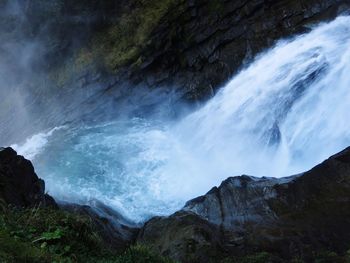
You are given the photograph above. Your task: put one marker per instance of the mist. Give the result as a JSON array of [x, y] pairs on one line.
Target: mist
[[38, 40]]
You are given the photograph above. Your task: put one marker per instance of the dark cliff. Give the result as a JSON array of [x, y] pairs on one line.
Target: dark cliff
[[19, 184], [198, 45], [34, 228], [301, 217], [62, 55], [192, 45], [293, 218]]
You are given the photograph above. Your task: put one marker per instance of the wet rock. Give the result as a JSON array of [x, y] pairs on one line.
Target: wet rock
[[213, 35], [194, 47], [187, 48], [20, 187], [19, 184], [183, 236], [116, 231], [290, 217]]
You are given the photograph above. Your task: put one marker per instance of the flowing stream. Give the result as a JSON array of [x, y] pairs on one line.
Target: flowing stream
[[287, 111]]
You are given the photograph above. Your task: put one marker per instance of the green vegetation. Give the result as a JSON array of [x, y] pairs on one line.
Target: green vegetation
[[331, 257], [262, 257], [48, 235], [216, 6], [141, 254], [123, 42]]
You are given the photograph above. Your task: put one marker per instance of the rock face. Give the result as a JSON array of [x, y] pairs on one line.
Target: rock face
[[292, 217], [19, 185], [194, 45], [199, 45], [66, 54], [117, 231]]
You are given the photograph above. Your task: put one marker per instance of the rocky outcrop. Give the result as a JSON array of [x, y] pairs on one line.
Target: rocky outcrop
[[20, 187], [193, 45], [117, 231], [19, 184], [199, 45], [293, 217]]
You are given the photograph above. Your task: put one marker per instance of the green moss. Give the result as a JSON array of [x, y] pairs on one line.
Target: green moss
[[123, 42], [84, 58], [78, 63], [216, 6]]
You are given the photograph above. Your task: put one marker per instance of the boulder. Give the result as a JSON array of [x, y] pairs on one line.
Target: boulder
[[20, 187], [117, 231], [19, 184], [292, 217]]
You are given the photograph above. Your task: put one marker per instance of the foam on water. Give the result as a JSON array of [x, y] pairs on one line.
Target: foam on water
[[283, 114], [35, 144]]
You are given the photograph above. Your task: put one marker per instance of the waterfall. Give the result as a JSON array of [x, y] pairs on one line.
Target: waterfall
[[285, 112]]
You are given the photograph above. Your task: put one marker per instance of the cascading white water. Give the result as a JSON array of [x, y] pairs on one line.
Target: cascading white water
[[283, 114]]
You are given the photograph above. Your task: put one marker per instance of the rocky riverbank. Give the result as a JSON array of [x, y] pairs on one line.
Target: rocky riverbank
[[303, 217]]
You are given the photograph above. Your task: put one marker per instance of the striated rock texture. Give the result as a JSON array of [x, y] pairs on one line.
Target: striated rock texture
[[68, 55], [294, 217], [19, 184], [193, 45], [199, 44]]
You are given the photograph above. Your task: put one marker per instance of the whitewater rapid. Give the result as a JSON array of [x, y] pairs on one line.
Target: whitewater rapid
[[287, 111]]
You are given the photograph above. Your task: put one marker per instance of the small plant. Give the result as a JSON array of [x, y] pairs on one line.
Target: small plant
[[52, 232], [50, 235]]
